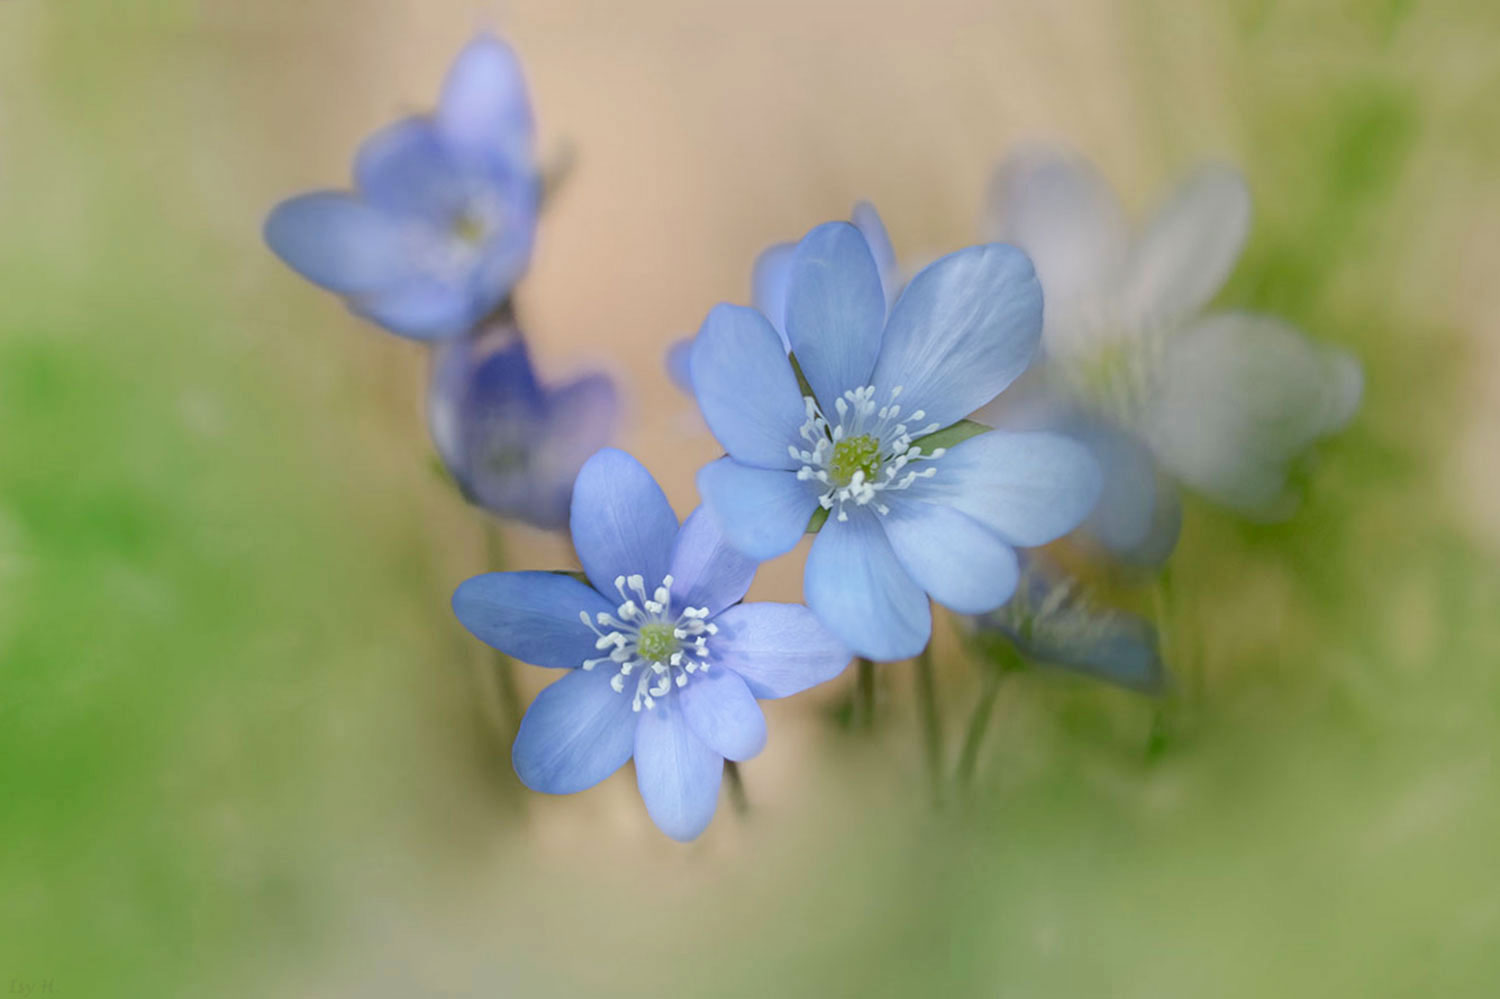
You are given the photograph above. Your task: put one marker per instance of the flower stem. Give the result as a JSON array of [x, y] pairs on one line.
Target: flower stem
[[931, 720], [736, 782], [504, 670], [979, 724], [864, 693]]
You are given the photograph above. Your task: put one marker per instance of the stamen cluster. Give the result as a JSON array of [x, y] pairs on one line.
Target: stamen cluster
[[864, 452], [650, 642]]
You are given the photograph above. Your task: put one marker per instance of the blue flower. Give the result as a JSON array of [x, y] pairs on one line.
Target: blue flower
[[1220, 402], [441, 224], [769, 281], [514, 445], [663, 662], [1052, 621], [905, 520]]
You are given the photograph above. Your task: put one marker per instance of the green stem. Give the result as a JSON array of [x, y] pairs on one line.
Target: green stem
[[931, 720], [979, 724], [504, 670], [864, 693], [736, 782]]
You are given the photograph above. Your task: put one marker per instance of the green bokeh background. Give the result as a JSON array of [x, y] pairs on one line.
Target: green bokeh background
[[240, 748]]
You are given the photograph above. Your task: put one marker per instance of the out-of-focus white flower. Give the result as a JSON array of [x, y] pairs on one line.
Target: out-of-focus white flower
[[1221, 402]]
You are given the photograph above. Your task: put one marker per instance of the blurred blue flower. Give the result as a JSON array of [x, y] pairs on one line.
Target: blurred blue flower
[[1052, 621], [1221, 402], [441, 224], [513, 445], [905, 520], [663, 661], [769, 280]]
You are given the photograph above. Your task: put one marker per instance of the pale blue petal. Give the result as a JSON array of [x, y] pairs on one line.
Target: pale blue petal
[[723, 714], [1029, 488], [1242, 396], [1054, 206], [768, 285], [746, 388], [679, 356], [777, 649], [964, 328], [622, 523], [404, 168], [1189, 247], [532, 616], [484, 107], [707, 571], [577, 732], [835, 310], [678, 775], [763, 512], [867, 220], [422, 309], [581, 417], [339, 242], [960, 563], [862, 593]]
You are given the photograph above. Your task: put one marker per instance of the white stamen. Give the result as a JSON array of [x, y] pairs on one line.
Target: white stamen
[[620, 633]]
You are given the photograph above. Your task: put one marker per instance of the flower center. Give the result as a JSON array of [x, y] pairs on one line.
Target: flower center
[[1115, 378], [855, 454], [863, 452], [650, 641]]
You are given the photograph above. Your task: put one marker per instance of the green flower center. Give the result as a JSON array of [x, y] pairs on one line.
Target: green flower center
[[855, 454], [469, 228], [657, 642]]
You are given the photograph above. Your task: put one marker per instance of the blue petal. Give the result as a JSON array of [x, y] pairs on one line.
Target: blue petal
[[862, 593], [777, 649], [622, 523], [763, 512], [484, 107], [678, 775], [576, 733], [867, 220], [422, 309], [835, 310], [960, 563], [723, 714], [339, 242], [1029, 488], [746, 388], [404, 168], [532, 616], [580, 418], [1189, 247], [962, 331], [707, 571], [1242, 395], [679, 354], [768, 285], [1137, 516]]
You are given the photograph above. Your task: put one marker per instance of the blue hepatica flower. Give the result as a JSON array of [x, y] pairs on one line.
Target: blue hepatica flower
[[441, 224], [1221, 402], [1052, 621], [663, 662], [905, 520], [770, 279], [514, 445]]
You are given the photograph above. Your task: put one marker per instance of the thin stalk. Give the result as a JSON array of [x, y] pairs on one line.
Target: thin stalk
[[503, 670], [864, 693], [979, 724], [736, 782], [931, 720]]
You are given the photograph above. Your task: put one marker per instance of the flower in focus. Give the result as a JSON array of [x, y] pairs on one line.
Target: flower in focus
[[1221, 402], [1051, 620], [663, 663], [441, 223], [513, 445], [905, 518], [768, 285]]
